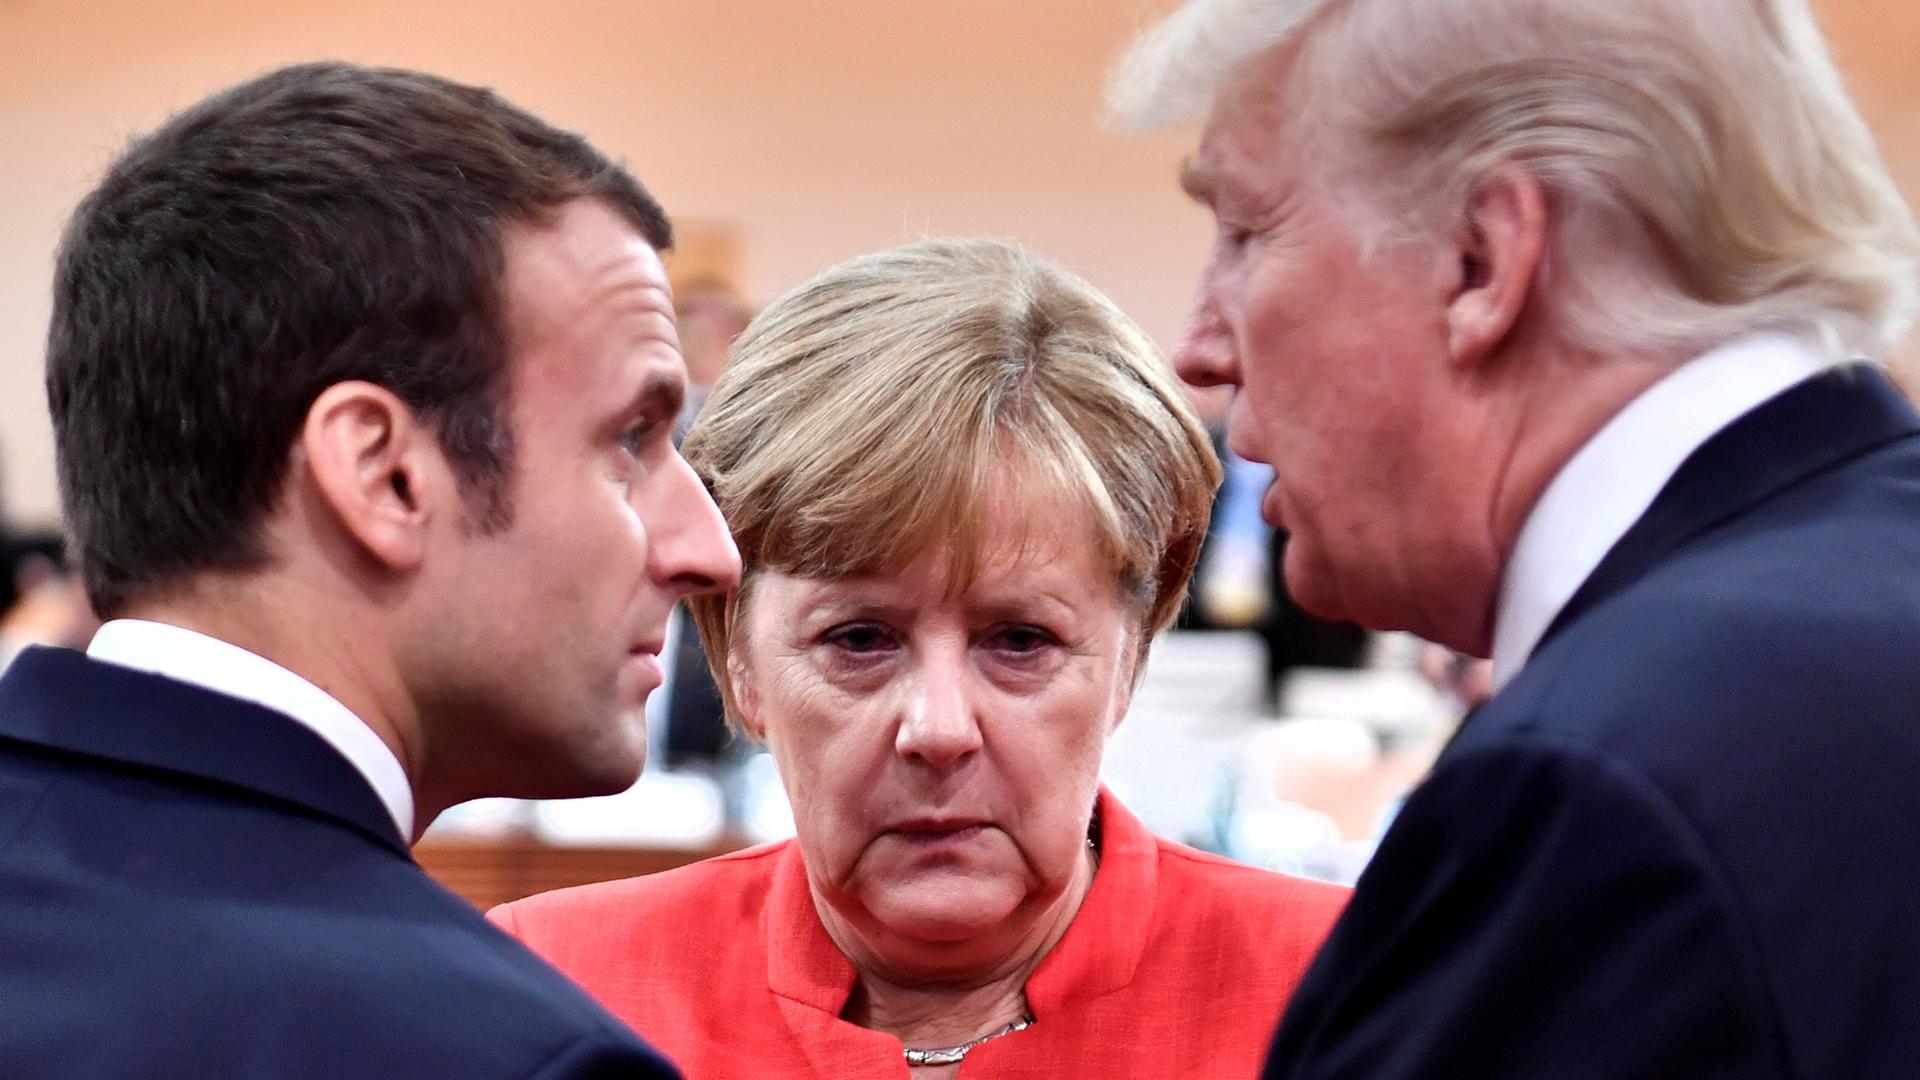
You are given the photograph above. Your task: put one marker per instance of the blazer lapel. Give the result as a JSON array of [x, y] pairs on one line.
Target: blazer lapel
[[60, 699], [1815, 426]]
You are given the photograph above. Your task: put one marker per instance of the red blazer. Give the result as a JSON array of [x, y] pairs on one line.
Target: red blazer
[[1176, 965]]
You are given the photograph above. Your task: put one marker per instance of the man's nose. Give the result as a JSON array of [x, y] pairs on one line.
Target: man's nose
[[692, 549], [1204, 356], [939, 725]]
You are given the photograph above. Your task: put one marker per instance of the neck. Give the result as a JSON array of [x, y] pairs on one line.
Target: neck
[[927, 1018], [929, 1009], [1567, 399], [252, 614]]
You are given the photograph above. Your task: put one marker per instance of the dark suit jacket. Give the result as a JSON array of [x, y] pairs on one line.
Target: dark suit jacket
[[1680, 845], [193, 886]]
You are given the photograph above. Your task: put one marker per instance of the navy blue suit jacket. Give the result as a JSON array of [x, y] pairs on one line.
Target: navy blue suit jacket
[[1680, 845], [193, 886]]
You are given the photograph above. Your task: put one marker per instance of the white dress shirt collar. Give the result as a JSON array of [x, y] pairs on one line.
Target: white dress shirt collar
[[191, 657], [1611, 481]]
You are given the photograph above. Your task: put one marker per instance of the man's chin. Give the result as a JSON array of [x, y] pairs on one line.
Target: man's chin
[[602, 769], [616, 773], [1312, 586]]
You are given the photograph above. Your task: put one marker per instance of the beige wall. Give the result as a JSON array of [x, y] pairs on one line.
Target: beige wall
[[824, 127]]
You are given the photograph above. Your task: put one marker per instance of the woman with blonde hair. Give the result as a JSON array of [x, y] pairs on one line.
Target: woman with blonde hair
[[967, 494]]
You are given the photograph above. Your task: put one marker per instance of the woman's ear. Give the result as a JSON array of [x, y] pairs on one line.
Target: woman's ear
[[1133, 658], [1499, 245], [746, 698]]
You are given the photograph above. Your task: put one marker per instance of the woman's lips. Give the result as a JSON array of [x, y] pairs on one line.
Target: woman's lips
[[938, 833]]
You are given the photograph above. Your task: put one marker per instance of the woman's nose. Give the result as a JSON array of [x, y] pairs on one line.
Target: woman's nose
[[939, 725]]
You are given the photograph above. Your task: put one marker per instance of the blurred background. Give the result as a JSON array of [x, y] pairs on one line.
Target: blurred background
[[785, 135]]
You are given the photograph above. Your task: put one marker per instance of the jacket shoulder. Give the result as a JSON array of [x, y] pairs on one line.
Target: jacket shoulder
[[471, 996], [1760, 632], [489, 1007], [324, 955]]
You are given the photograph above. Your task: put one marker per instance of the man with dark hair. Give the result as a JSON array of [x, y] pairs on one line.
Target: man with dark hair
[[362, 385]]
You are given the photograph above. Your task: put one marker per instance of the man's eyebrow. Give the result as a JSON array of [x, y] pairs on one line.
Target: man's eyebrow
[[660, 393], [1198, 181]]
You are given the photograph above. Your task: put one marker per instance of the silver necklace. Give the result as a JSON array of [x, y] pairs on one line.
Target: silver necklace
[[953, 1055]]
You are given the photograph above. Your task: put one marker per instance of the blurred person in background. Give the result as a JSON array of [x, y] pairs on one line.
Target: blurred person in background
[[42, 602], [968, 494], [710, 314], [1465, 682], [1230, 581], [1552, 318], [363, 385]]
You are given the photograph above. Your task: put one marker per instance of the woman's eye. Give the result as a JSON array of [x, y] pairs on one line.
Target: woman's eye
[[858, 638], [1022, 639]]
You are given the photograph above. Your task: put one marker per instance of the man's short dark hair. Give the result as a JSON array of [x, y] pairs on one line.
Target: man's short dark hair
[[321, 223]]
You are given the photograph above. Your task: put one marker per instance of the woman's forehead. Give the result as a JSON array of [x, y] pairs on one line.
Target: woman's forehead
[[1005, 553], [959, 517]]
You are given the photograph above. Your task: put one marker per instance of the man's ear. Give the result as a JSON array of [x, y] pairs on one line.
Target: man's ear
[[375, 467], [1499, 243]]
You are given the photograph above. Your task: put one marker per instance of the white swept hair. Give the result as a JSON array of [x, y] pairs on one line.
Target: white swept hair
[[1707, 172]]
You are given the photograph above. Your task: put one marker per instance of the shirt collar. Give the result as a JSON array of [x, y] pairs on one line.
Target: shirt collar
[[192, 657], [1609, 483]]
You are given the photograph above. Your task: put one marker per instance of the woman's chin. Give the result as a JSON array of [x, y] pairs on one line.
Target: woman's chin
[[945, 912]]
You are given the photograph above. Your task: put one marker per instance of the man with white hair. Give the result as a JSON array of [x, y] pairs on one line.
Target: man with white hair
[[1550, 316]]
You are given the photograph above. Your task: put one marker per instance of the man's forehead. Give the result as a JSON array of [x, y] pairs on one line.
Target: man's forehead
[[602, 379], [589, 317], [1227, 168], [580, 241], [1247, 138], [584, 262]]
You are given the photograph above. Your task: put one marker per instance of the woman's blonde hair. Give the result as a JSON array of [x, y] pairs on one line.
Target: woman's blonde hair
[[870, 416], [1708, 173]]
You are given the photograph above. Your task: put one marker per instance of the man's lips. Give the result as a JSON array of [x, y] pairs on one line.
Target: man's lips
[[1270, 508], [1240, 436], [645, 658], [650, 646]]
